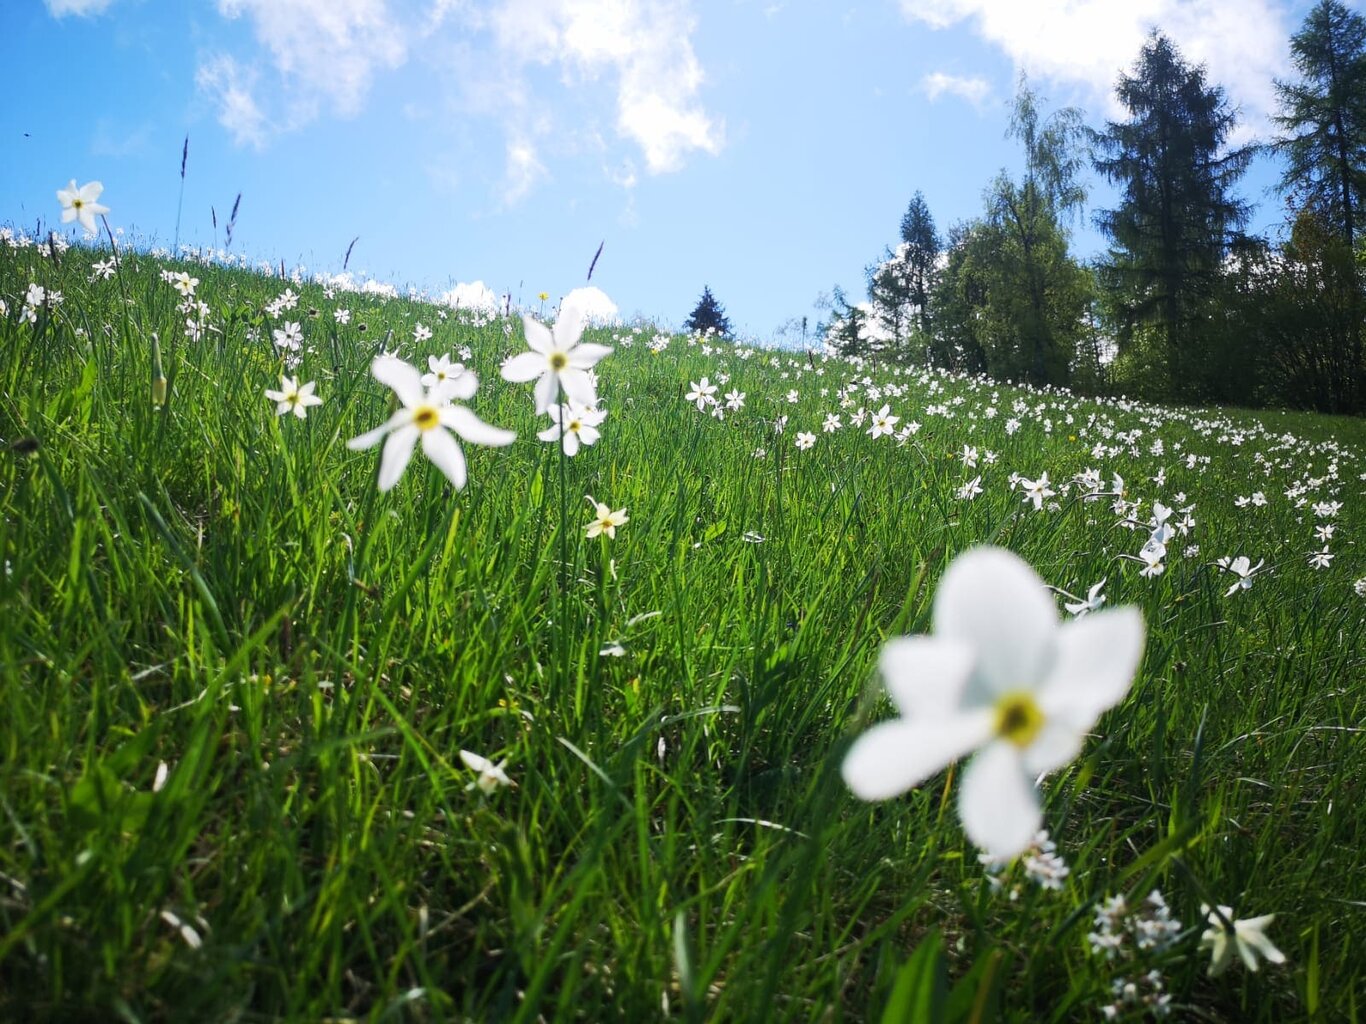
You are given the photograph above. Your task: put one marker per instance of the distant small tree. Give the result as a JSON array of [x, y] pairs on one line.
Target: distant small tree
[[707, 315]]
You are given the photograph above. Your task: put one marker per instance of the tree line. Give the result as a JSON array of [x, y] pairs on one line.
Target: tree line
[[1183, 305]]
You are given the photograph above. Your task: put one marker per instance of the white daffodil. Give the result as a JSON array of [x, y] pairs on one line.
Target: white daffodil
[[491, 776], [605, 520], [1090, 603], [1243, 568], [427, 415], [573, 426], [1000, 676], [79, 203], [1246, 937], [558, 359], [454, 380], [293, 397]]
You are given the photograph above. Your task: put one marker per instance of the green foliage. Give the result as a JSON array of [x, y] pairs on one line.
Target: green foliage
[[236, 681], [1323, 117], [1176, 215]]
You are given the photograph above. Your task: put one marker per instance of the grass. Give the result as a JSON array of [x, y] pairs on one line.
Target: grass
[[206, 587]]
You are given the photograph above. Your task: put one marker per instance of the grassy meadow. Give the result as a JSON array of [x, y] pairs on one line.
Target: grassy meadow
[[237, 678]]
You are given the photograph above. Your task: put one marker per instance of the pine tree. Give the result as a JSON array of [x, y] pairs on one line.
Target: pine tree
[[920, 254], [1323, 117], [708, 315], [1176, 214]]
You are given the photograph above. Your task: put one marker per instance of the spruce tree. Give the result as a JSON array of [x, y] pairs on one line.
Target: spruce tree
[[1323, 117], [708, 314], [1176, 214]]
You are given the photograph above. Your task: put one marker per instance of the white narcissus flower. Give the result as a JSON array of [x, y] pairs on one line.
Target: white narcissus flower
[[1243, 568], [1246, 937], [427, 415], [79, 203], [573, 426], [292, 397], [558, 359], [605, 520], [1000, 676], [1090, 603], [456, 381], [491, 776]]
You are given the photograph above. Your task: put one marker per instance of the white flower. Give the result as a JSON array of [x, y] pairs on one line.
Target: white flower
[[558, 359], [293, 398], [1037, 490], [970, 489], [491, 776], [883, 422], [1000, 675], [453, 378], [79, 203], [573, 426], [1246, 937], [1091, 603], [703, 393], [805, 439], [605, 520], [1321, 559], [1243, 568], [424, 415]]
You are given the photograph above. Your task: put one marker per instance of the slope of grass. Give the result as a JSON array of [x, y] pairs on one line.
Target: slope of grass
[[237, 679]]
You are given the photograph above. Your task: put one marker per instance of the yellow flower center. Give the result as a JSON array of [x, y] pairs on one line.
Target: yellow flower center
[[558, 361], [426, 417], [574, 426], [77, 203], [1018, 718]]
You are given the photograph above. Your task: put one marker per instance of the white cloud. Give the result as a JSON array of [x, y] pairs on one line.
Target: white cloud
[[80, 8], [316, 56], [593, 302], [231, 87], [472, 296], [645, 45], [524, 170], [975, 90], [324, 49], [1090, 42]]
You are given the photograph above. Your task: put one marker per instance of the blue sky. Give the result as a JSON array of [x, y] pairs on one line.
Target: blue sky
[[764, 148]]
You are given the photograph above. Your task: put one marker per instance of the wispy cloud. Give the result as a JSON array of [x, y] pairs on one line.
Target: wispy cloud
[[232, 89], [1089, 42], [80, 8], [974, 89], [319, 57]]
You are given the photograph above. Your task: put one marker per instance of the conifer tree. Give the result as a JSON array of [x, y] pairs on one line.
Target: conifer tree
[[1176, 215], [708, 314], [1323, 117]]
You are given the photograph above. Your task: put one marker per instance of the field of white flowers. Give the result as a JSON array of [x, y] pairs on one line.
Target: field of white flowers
[[364, 658]]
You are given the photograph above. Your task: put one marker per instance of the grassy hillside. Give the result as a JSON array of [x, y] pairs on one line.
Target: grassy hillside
[[237, 679]]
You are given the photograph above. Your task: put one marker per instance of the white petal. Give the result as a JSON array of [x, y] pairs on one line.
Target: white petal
[[550, 433], [997, 802], [584, 357], [571, 444], [538, 337], [473, 429], [569, 325], [925, 675], [403, 378], [445, 452], [68, 214], [1058, 743], [397, 451], [578, 386], [891, 757], [1094, 663], [373, 437], [525, 366], [991, 600], [546, 388]]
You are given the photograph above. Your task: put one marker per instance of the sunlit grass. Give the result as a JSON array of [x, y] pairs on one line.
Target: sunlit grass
[[211, 587]]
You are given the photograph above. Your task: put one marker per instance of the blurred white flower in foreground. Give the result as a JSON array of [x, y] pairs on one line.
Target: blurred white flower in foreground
[[1246, 937], [292, 397], [491, 776], [558, 359], [79, 203], [426, 415], [1000, 676]]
